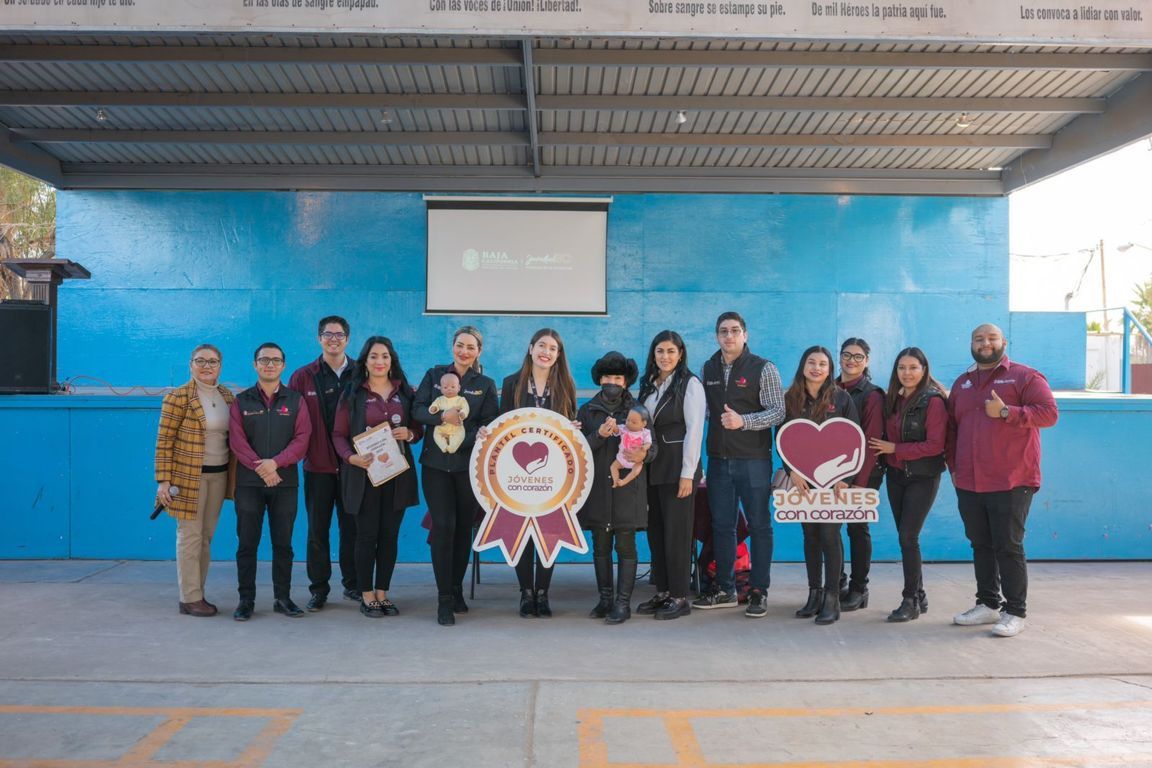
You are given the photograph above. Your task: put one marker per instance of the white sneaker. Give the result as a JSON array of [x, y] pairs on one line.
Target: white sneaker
[[1009, 626], [981, 614]]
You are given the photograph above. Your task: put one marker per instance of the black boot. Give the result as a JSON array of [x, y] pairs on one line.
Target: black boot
[[527, 604], [458, 604], [812, 607], [625, 581], [909, 609], [603, 566], [444, 615], [843, 586], [543, 610], [829, 608], [922, 599], [854, 601]]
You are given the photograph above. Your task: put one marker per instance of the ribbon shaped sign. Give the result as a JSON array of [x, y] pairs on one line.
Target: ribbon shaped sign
[[824, 454], [532, 472]]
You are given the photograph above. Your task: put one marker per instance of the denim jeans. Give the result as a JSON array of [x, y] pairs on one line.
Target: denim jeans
[[733, 483]]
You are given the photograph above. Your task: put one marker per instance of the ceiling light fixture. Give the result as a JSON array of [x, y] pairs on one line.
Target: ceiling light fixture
[[101, 115], [994, 168], [963, 121], [385, 118], [681, 117]]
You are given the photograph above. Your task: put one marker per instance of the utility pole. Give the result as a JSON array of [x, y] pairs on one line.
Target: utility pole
[[1103, 285]]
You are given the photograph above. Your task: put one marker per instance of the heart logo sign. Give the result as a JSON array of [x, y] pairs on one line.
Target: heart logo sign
[[531, 456], [824, 453]]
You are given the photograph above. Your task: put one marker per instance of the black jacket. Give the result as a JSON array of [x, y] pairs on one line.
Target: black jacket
[[741, 394], [479, 391], [269, 429], [607, 507], [353, 479], [508, 396], [668, 432]]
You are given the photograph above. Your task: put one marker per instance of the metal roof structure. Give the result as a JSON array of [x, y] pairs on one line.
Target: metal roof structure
[[360, 112]]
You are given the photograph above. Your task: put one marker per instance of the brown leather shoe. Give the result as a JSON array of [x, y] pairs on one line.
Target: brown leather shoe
[[198, 608]]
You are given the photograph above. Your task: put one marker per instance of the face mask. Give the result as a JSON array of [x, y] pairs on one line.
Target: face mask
[[611, 392]]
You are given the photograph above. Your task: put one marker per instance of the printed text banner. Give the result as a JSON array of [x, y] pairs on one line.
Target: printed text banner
[[1111, 22]]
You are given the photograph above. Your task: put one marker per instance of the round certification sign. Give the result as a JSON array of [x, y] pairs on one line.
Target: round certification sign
[[531, 473]]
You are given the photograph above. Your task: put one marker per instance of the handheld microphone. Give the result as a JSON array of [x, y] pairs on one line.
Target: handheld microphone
[[173, 491]]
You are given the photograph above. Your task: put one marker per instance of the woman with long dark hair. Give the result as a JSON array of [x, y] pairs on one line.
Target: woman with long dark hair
[[813, 395], [444, 475], [543, 381], [378, 393], [916, 429], [856, 379], [675, 398]]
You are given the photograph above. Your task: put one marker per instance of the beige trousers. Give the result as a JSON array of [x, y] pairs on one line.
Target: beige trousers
[[194, 537]]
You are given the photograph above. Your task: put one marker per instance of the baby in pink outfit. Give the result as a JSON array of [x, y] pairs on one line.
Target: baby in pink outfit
[[635, 434]]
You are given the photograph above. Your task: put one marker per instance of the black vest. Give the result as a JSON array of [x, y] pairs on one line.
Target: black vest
[[859, 393], [742, 394], [353, 479], [668, 431], [914, 429], [269, 429]]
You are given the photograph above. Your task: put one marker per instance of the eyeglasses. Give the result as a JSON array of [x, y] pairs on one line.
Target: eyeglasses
[[729, 331], [856, 358], [267, 361], [337, 335], [203, 362]]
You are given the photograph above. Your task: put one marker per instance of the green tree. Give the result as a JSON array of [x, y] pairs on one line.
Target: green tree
[[27, 225], [1143, 300]]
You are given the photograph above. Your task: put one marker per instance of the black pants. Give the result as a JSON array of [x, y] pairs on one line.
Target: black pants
[[530, 572], [911, 498], [377, 533], [994, 525], [860, 547], [251, 502], [822, 547], [604, 538], [670, 522], [321, 493], [452, 507]]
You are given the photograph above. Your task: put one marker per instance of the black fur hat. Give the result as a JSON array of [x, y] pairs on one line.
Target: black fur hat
[[615, 364]]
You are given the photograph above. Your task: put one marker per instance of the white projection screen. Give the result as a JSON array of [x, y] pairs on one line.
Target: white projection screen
[[517, 256]]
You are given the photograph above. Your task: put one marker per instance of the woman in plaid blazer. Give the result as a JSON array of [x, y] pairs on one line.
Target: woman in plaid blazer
[[192, 455]]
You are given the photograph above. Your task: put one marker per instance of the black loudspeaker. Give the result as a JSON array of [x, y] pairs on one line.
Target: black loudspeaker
[[25, 347]]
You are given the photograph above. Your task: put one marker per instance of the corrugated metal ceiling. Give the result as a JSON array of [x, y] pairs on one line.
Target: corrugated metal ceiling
[[104, 107]]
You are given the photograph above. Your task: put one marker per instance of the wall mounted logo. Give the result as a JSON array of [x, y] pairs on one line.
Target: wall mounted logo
[[470, 260], [531, 474]]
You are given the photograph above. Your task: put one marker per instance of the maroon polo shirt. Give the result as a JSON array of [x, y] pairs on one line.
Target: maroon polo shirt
[[988, 454], [377, 411], [936, 428]]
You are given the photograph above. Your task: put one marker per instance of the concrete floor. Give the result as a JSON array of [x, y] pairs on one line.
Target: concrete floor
[[98, 669]]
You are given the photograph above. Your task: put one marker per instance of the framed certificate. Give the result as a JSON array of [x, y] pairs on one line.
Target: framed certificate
[[389, 460]]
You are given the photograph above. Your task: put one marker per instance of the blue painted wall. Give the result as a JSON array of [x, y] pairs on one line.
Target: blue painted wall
[[89, 490], [173, 269], [1056, 338]]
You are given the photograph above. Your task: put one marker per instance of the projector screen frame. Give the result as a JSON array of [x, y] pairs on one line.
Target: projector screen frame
[[511, 203]]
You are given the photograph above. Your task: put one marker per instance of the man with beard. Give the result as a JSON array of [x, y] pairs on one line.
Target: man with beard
[[996, 411]]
